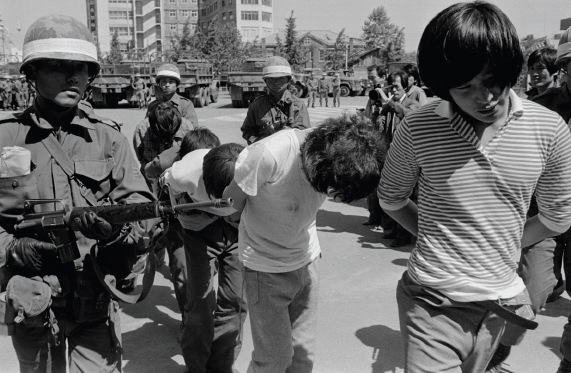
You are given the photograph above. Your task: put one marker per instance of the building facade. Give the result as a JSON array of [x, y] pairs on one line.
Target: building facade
[[149, 26]]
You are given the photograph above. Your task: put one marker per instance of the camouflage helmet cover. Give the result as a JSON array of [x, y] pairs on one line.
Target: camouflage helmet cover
[[564, 48], [59, 37], [277, 67], [168, 70]]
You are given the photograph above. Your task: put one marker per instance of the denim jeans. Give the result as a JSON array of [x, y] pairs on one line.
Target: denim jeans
[[210, 340], [90, 346], [441, 335], [177, 265], [283, 317]]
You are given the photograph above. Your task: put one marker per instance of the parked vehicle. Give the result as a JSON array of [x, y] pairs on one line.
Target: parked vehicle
[[248, 83], [350, 85]]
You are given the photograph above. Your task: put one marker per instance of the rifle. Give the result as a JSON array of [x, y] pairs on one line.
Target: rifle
[[58, 225]]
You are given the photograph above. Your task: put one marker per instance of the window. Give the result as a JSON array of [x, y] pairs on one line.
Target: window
[[223, 3], [184, 13], [267, 2], [204, 24], [231, 15], [203, 12], [193, 1], [230, 2], [266, 16], [184, 1], [172, 1], [120, 1], [249, 16], [121, 31], [194, 13], [250, 2], [224, 16], [172, 13], [118, 15], [173, 27], [157, 3], [306, 41]]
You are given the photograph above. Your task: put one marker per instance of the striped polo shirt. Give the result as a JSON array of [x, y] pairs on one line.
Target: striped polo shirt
[[473, 200]]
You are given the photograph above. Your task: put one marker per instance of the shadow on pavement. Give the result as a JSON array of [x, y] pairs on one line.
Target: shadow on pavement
[[152, 346], [387, 347], [552, 343], [559, 308]]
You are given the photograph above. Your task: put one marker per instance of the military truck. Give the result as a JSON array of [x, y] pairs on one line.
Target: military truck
[[248, 83], [350, 85]]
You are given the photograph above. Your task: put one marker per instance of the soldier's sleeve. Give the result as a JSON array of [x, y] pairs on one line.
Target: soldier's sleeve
[[5, 239], [190, 113], [301, 120], [249, 127], [138, 142]]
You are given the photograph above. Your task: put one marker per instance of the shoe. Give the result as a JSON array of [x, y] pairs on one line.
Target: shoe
[[564, 366], [370, 222], [501, 354], [390, 236], [557, 291], [313, 106], [399, 242]]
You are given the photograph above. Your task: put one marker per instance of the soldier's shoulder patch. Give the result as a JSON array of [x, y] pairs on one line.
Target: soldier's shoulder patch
[[94, 118]]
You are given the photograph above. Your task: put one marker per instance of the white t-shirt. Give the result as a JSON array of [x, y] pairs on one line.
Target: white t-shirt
[[277, 228], [185, 178]]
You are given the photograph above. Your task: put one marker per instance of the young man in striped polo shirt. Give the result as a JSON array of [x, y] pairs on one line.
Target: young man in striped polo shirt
[[478, 155]]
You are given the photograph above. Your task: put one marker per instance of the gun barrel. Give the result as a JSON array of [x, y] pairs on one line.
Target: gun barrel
[[218, 203]]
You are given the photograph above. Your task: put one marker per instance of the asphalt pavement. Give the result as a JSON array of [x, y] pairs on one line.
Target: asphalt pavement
[[358, 329]]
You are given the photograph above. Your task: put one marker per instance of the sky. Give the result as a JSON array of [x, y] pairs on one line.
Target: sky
[[537, 17]]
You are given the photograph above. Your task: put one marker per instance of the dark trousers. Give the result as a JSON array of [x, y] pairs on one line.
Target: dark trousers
[[211, 340]]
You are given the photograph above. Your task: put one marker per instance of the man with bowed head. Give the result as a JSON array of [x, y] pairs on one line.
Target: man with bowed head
[[277, 109], [82, 159]]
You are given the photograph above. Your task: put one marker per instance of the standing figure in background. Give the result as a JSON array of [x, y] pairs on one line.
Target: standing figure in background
[[139, 86], [324, 87], [312, 87], [336, 86], [414, 91], [24, 92]]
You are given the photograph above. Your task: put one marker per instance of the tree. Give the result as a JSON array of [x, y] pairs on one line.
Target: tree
[[335, 59], [293, 50], [115, 55], [252, 50], [279, 51], [223, 46], [378, 31], [186, 44]]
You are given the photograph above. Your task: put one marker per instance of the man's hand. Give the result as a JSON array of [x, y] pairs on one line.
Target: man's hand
[[95, 227], [26, 253]]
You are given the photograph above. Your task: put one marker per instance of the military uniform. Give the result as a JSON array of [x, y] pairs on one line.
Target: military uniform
[[185, 107], [324, 86], [336, 85], [25, 94], [139, 87], [17, 95], [312, 87], [266, 116], [4, 91]]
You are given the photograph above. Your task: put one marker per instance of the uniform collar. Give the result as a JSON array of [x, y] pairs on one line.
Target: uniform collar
[[446, 110], [175, 99], [285, 99], [80, 118]]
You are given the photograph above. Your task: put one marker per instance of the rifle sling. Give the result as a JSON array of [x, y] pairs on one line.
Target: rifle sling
[[107, 281], [66, 164]]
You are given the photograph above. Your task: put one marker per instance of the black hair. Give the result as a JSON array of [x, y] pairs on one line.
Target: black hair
[[218, 168], [464, 40], [547, 56], [412, 70], [198, 138], [402, 75], [164, 118], [344, 157]]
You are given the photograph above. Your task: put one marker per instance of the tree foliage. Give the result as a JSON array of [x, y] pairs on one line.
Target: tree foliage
[[223, 46], [186, 44], [378, 31], [293, 51], [335, 59], [115, 55]]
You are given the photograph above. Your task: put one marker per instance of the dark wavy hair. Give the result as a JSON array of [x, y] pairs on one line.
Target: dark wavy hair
[[547, 56], [412, 70], [402, 75], [164, 118], [343, 157], [218, 168], [198, 138], [464, 40]]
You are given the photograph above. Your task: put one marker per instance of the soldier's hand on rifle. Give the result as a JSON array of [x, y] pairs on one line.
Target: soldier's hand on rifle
[[95, 227], [26, 253]]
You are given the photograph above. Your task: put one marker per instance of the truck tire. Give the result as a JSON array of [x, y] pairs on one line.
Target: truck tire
[[345, 91], [199, 98], [206, 95], [214, 94], [236, 103]]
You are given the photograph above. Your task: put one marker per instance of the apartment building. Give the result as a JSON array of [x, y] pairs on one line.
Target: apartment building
[[149, 25]]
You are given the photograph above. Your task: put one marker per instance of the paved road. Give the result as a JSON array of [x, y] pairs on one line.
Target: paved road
[[358, 329]]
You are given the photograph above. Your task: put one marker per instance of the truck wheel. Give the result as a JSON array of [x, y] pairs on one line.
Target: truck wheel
[[345, 91], [206, 95], [214, 94], [236, 103], [199, 99]]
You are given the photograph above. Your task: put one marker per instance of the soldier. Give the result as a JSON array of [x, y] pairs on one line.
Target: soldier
[[324, 86], [139, 85], [312, 86], [4, 88], [25, 92], [16, 94], [168, 80], [277, 109], [82, 159], [336, 85]]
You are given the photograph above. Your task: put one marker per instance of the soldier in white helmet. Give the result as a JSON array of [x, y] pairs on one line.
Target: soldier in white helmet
[[83, 160], [277, 109], [139, 85], [168, 80]]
